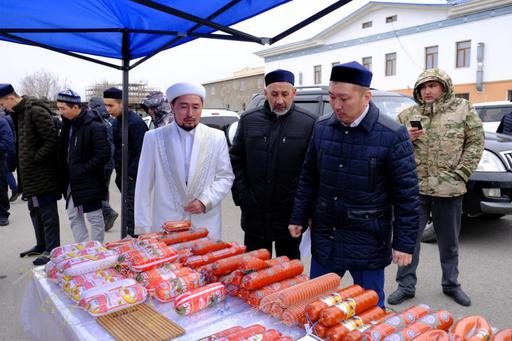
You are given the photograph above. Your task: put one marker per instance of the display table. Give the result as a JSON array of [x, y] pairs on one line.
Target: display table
[[48, 314]]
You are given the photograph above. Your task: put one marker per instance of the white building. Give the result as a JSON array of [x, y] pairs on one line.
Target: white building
[[397, 40]]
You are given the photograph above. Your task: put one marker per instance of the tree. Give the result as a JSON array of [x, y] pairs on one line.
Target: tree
[[42, 84]]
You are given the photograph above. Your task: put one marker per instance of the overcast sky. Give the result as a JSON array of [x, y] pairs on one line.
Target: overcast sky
[[201, 60]]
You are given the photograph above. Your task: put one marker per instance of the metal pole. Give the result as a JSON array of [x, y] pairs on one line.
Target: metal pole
[[124, 127]]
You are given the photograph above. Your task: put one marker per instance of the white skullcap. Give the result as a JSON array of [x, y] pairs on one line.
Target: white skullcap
[[185, 88]]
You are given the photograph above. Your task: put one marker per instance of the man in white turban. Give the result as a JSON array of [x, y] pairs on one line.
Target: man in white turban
[[184, 168]]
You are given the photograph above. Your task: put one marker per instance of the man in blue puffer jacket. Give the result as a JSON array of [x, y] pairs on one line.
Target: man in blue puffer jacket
[[358, 185]]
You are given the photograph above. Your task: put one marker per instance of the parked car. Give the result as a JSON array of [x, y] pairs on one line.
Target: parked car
[[220, 119], [489, 188], [491, 113]]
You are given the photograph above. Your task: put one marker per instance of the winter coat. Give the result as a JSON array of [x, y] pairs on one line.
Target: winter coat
[[84, 151], [6, 138], [97, 107], [36, 138], [267, 156], [452, 146], [353, 182]]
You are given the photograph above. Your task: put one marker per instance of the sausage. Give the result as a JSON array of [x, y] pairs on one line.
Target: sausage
[[152, 278], [221, 334], [313, 310], [277, 311], [166, 291], [185, 236], [227, 265], [309, 289], [394, 323], [320, 330], [472, 328], [206, 246], [199, 260], [83, 264], [199, 298], [189, 244], [433, 335], [267, 335], [252, 264], [234, 278], [151, 257], [114, 300], [503, 335], [276, 273], [357, 335], [245, 333], [176, 225], [296, 314], [257, 295], [277, 260], [284, 338], [62, 250], [343, 310], [338, 332], [438, 320]]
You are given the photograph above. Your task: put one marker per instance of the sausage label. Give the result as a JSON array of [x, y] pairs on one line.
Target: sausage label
[[348, 307], [332, 299]]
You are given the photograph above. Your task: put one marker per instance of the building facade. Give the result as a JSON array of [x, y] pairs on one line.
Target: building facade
[[398, 40], [234, 93]]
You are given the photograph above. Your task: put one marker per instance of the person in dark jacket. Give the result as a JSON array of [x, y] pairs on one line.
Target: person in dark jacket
[[505, 126], [11, 163], [6, 144], [98, 108], [83, 151], [358, 185], [267, 155], [136, 129], [36, 140]]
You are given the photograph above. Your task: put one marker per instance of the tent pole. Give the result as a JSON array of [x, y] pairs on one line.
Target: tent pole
[[124, 127]]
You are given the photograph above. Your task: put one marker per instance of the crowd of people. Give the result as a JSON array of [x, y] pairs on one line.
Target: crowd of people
[[362, 183]]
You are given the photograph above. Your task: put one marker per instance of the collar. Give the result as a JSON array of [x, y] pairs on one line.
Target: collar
[[182, 132], [365, 121]]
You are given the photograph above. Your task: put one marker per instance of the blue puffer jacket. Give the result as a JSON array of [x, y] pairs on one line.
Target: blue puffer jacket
[[354, 180]]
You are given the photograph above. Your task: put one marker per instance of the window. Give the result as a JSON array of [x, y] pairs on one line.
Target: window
[[391, 19], [300, 78], [509, 95], [463, 53], [431, 57], [334, 64], [391, 64], [367, 63], [317, 69], [464, 95], [367, 24]]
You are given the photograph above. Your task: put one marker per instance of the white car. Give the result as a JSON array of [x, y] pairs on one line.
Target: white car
[[491, 113], [221, 119]]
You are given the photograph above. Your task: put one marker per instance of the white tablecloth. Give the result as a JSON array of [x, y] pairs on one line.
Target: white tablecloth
[[48, 314]]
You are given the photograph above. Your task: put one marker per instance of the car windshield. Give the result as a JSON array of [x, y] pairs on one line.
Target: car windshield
[[219, 122], [392, 105]]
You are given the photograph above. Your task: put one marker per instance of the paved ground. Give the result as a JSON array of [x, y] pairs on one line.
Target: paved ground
[[485, 266]]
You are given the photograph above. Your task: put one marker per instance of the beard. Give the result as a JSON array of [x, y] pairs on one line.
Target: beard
[[186, 128], [281, 112]]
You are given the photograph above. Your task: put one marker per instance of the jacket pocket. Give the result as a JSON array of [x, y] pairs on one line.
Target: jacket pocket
[[365, 214]]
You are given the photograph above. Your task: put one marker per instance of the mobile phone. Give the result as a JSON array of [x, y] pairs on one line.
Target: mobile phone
[[416, 124]]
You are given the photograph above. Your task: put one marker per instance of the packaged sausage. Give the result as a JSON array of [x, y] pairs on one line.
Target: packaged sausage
[[503, 335], [224, 266], [206, 246], [338, 332], [89, 280], [199, 298], [90, 251], [117, 243], [357, 334], [166, 291], [152, 278], [245, 333], [394, 323], [438, 320], [88, 263], [221, 334], [185, 236], [189, 244], [433, 335], [114, 300], [313, 309], [51, 271], [149, 256], [75, 247], [200, 260], [276, 273], [472, 328], [348, 308], [267, 335], [176, 225], [256, 296]]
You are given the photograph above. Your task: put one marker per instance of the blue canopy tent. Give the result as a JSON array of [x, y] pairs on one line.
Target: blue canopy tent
[[130, 30]]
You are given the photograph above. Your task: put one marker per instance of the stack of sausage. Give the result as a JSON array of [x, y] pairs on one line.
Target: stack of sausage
[[254, 332]]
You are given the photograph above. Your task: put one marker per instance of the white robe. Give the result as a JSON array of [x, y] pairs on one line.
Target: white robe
[[161, 191]]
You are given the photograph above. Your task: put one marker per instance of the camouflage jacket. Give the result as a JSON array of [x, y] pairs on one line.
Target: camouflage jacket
[[452, 146]]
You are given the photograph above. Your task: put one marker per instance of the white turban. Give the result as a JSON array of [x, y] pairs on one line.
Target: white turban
[[185, 88]]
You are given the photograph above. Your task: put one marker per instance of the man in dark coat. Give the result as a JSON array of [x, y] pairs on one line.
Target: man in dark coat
[[84, 151], [358, 185], [6, 144], [267, 156], [136, 129], [36, 138]]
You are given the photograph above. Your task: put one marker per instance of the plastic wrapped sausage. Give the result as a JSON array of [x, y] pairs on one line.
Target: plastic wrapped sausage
[[276, 273], [256, 296], [338, 332], [433, 335], [83, 264], [114, 300], [472, 328], [394, 323], [309, 289], [356, 335], [206, 246], [267, 335], [245, 333], [166, 291], [200, 298], [343, 310], [152, 278], [73, 248], [224, 266], [185, 236], [503, 335], [313, 310], [176, 225], [200, 260], [438, 320], [189, 244], [221, 334]]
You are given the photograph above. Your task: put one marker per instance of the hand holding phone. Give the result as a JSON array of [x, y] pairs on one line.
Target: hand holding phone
[[416, 124]]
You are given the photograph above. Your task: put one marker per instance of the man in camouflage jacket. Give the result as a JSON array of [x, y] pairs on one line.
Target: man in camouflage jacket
[[447, 148]]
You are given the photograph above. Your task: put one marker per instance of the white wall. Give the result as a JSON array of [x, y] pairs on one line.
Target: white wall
[[410, 51]]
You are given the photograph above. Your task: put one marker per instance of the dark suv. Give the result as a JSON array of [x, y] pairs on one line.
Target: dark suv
[[489, 188]]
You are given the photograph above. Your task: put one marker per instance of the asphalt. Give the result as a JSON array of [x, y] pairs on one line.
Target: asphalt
[[485, 266]]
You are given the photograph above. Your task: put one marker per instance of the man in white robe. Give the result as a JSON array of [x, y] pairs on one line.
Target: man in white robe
[[184, 168]]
